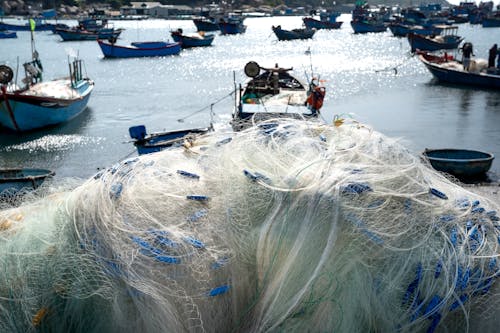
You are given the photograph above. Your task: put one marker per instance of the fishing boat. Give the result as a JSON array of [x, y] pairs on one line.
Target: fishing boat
[[7, 34], [446, 40], [42, 103], [80, 35], [361, 26], [192, 40], [13, 181], [312, 23], [402, 30], [138, 49], [206, 24], [232, 26], [491, 21], [275, 93], [39, 26], [154, 142], [447, 69], [303, 33], [462, 163]]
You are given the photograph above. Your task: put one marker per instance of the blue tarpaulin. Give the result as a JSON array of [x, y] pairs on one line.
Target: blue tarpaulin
[[49, 13]]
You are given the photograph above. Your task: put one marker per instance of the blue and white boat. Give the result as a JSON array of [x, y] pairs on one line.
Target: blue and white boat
[[7, 34], [139, 49], [42, 103], [13, 181], [326, 21], [154, 142]]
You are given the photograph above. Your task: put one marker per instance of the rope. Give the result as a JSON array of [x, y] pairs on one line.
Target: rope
[[395, 68], [206, 107]]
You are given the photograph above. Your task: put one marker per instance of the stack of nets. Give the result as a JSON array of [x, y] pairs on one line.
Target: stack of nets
[[286, 226]]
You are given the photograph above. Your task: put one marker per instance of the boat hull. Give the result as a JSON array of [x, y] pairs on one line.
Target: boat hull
[[22, 112], [462, 163], [12, 181], [116, 51], [25, 27], [8, 34], [491, 22]]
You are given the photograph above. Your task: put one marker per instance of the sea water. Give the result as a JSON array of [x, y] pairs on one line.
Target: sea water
[[372, 78]]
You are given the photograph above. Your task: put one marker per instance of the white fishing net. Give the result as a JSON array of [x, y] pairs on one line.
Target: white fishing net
[[287, 226]]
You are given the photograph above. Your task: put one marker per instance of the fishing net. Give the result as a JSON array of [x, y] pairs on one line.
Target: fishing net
[[286, 226]]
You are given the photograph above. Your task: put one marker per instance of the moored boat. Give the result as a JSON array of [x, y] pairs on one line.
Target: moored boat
[[275, 93], [312, 23], [154, 142], [446, 69], [7, 34], [303, 33], [462, 163], [13, 180], [199, 39], [232, 26], [42, 103], [446, 40], [206, 24], [39, 26], [361, 26], [80, 35], [138, 49]]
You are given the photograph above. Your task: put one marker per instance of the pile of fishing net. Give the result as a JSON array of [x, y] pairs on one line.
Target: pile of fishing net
[[287, 226]]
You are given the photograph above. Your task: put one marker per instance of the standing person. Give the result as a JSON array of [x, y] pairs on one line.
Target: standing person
[[492, 55], [466, 54]]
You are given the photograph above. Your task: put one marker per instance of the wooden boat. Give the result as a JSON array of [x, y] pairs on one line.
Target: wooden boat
[[283, 34], [446, 69], [79, 34], [361, 26], [274, 93], [206, 24], [312, 23], [13, 181], [138, 49], [446, 40], [461, 163], [150, 143], [194, 40], [7, 34]]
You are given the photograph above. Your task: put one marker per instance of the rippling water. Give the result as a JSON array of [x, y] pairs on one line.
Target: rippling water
[[371, 78]]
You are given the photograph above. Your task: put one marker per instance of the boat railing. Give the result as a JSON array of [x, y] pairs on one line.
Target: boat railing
[[75, 72]]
